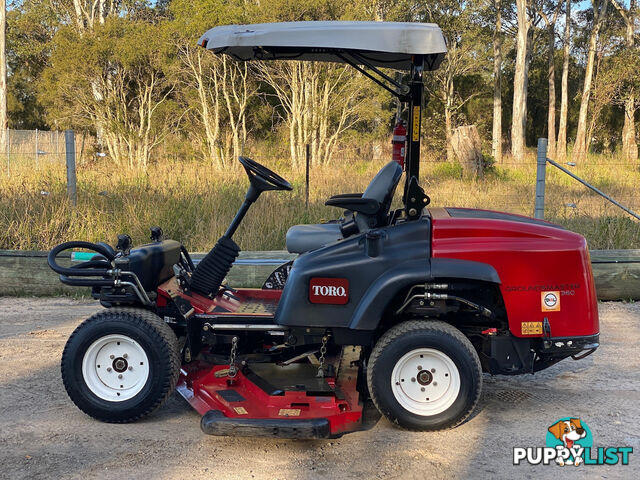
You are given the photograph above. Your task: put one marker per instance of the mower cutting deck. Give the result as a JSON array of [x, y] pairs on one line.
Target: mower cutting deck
[[270, 400], [404, 307], [266, 399]]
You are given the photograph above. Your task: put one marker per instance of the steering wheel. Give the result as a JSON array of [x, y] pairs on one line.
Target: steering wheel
[[262, 178]]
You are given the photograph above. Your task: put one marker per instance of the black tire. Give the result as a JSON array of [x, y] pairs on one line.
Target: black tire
[[155, 338], [407, 337]]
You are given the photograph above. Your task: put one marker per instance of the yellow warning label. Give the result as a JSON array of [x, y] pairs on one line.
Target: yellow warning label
[[415, 135], [289, 412], [531, 328], [240, 410]]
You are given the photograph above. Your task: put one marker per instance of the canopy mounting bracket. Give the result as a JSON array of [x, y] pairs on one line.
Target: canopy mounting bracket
[[401, 93]]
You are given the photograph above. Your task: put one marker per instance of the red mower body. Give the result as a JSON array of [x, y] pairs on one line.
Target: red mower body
[[545, 271]]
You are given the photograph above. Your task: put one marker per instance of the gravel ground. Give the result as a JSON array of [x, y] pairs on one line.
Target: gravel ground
[[43, 435]]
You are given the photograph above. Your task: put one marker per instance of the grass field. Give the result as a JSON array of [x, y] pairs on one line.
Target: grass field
[[194, 202]]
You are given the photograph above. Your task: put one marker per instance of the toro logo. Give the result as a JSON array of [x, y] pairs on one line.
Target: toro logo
[[334, 291]]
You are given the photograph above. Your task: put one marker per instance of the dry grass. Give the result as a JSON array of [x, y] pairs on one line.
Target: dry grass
[[194, 203]]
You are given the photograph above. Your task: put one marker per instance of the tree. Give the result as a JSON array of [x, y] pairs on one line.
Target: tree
[[551, 20], [629, 145], [215, 91], [318, 102], [3, 75], [86, 14], [561, 147], [599, 14], [223, 93], [113, 78], [464, 58], [31, 27], [519, 115], [496, 142]]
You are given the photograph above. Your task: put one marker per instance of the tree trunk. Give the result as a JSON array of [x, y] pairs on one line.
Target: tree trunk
[[629, 145], [496, 141], [551, 116], [527, 64], [467, 146], [580, 146], [561, 147], [448, 110], [519, 116], [3, 76]]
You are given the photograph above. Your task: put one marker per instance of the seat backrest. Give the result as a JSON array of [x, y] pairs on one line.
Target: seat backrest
[[382, 189]]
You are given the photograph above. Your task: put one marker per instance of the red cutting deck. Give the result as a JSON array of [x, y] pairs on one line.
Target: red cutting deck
[[208, 387]]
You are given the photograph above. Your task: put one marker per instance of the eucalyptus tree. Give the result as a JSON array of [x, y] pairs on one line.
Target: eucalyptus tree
[[599, 8], [561, 145], [629, 16], [550, 15], [114, 78], [468, 53]]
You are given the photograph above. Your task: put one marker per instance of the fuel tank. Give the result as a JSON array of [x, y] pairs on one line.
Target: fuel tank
[[545, 270]]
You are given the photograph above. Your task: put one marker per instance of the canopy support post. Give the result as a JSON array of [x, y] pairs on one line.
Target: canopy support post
[[415, 119], [414, 197]]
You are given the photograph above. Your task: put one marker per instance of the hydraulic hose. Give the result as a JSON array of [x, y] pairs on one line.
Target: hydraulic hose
[[86, 282], [92, 268]]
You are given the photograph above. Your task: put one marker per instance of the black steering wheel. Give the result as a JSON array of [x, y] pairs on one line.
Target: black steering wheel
[[262, 178]]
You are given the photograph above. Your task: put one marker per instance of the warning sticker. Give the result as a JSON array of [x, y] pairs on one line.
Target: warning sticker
[[415, 129], [289, 412], [531, 328], [550, 301]]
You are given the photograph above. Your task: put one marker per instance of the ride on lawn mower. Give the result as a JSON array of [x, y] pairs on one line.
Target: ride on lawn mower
[[406, 307]]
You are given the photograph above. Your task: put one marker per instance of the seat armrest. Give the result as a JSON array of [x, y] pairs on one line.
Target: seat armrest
[[367, 206], [346, 195]]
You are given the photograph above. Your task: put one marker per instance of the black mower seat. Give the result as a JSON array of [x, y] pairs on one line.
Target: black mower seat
[[303, 238]]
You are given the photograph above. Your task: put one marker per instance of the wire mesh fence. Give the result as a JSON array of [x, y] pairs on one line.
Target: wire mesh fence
[[33, 148], [35, 161]]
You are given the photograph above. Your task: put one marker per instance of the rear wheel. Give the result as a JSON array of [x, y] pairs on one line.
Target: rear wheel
[[121, 364], [424, 375]]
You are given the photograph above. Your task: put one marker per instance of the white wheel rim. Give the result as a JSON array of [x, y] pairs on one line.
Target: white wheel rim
[[425, 382], [115, 368]]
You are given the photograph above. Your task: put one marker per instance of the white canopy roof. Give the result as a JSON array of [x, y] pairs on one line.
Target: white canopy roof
[[384, 44]]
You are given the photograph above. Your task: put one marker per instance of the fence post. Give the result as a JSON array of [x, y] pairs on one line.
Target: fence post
[[8, 147], [70, 146], [308, 158], [540, 178], [36, 148]]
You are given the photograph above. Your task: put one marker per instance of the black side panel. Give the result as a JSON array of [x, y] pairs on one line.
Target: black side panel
[[402, 258], [467, 269], [369, 311]]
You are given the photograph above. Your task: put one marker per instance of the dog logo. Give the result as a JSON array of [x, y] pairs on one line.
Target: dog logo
[[569, 432]]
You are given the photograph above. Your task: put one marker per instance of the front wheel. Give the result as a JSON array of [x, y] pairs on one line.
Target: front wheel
[[120, 364], [424, 375]]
